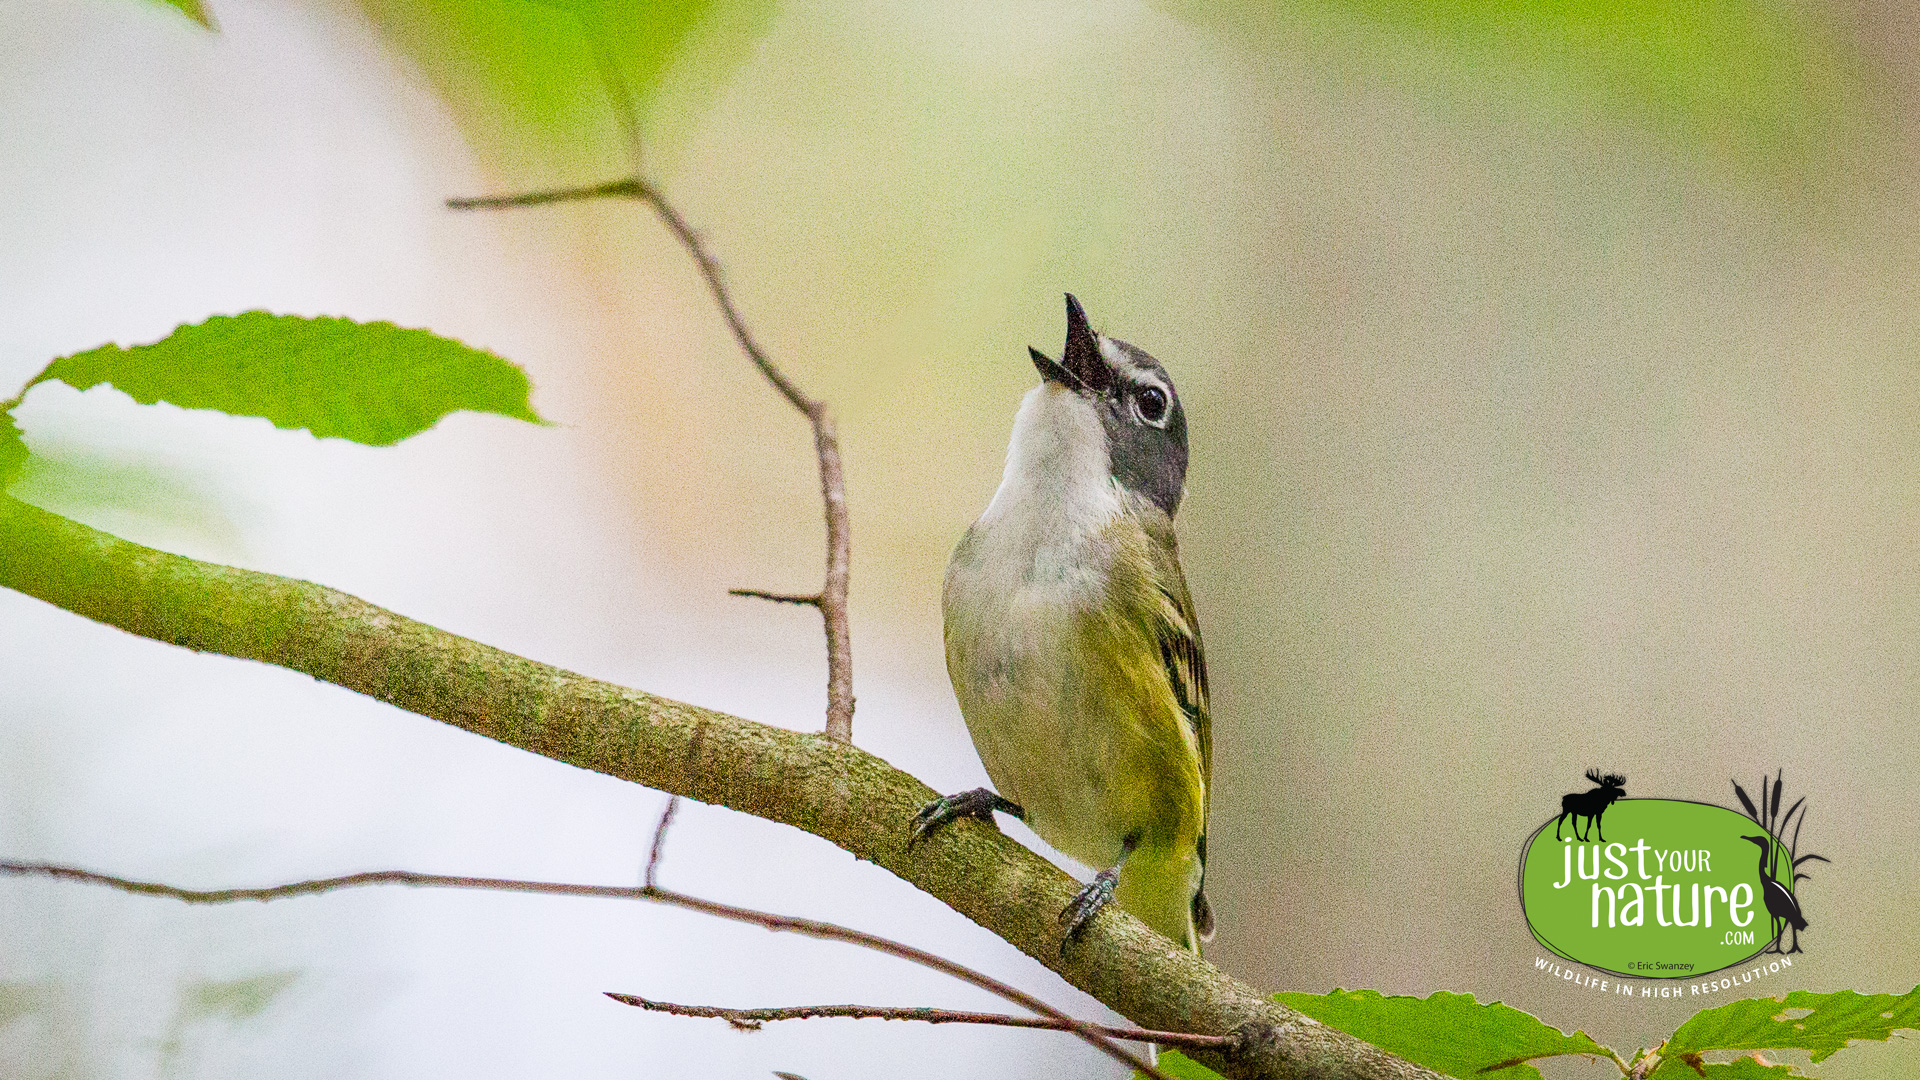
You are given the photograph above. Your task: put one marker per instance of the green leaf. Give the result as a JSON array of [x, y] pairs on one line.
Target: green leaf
[[1742, 1069], [1827, 1024], [373, 383], [1767, 84], [1181, 1067], [1747, 1069], [238, 999], [525, 78], [23, 999], [1449, 1033], [192, 9], [13, 452]]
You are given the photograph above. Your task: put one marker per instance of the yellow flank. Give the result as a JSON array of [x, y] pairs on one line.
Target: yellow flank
[[1092, 713]]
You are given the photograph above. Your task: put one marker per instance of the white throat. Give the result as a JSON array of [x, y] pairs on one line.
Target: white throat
[[1058, 487]]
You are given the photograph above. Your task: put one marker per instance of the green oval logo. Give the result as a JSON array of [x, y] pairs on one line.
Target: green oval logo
[[1654, 888]]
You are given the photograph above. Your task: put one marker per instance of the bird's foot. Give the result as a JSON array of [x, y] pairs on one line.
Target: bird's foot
[[1087, 903], [979, 803]]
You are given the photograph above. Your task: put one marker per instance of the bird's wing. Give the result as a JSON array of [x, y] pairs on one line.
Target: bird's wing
[[1186, 666], [1180, 649]]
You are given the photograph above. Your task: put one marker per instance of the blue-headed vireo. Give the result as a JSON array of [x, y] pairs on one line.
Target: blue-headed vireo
[[1071, 640]]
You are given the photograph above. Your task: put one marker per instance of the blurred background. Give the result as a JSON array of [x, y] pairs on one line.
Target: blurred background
[[1555, 402]]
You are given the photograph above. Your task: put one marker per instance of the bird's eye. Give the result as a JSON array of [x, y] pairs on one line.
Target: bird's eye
[[1151, 403]]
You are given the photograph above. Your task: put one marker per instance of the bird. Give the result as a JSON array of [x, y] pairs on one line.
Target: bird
[[1072, 645], [1780, 903]]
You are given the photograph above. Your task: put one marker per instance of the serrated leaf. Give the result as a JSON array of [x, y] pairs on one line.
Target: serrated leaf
[[1449, 1033], [1181, 1067], [1764, 1024], [1746, 1069], [1742, 1069], [374, 383]]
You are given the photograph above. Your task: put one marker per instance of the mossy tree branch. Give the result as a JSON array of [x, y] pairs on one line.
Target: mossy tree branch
[[827, 787]]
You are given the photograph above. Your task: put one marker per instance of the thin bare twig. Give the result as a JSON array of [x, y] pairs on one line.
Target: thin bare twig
[[615, 189], [752, 1019], [808, 599], [826, 440], [826, 446], [814, 928], [660, 839]]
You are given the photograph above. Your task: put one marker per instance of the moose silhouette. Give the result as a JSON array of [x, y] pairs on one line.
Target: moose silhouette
[[1591, 804]]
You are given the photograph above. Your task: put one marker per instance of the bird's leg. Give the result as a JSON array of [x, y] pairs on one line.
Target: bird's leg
[[1095, 895], [979, 803]]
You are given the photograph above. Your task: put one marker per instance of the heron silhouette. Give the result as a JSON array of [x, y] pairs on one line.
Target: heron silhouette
[[1780, 903]]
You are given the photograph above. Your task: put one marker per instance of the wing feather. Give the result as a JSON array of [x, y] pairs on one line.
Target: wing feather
[[1178, 631], [1185, 660]]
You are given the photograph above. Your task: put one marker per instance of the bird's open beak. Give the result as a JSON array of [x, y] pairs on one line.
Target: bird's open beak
[[1082, 355], [1081, 367], [1054, 373]]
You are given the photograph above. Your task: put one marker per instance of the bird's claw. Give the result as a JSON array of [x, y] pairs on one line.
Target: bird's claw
[[979, 803], [1087, 903]]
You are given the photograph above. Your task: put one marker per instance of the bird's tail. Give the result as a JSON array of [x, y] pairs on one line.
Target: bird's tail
[[1202, 916]]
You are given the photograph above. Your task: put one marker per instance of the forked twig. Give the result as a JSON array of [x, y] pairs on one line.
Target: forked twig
[[832, 600], [814, 928], [751, 1019]]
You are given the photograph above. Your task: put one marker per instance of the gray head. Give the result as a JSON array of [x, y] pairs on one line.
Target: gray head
[[1146, 428]]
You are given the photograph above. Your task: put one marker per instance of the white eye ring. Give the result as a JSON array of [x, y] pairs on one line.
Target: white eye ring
[[1158, 397]]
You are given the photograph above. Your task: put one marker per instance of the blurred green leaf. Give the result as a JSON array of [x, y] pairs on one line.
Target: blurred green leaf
[[127, 493], [1828, 1024], [1449, 1033], [22, 999], [236, 999], [1762, 82], [373, 383], [1181, 1067], [192, 9], [525, 77], [13, 452]]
